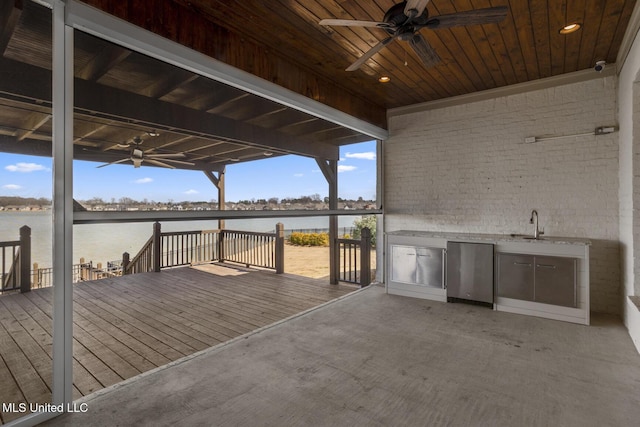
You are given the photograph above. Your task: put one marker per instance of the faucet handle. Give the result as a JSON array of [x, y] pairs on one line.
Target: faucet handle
[[541, 231]]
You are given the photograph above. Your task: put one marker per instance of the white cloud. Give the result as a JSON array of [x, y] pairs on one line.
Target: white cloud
[[143, 180], [26, 167], [191, 192], [11, 187], [369, 155], [298, 175], [346, 168]]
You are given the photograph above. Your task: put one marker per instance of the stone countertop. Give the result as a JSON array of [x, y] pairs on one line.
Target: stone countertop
[[490, 238]]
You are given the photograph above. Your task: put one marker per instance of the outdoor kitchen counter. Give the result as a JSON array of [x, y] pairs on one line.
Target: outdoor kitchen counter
[[406, 277], [488, 238]]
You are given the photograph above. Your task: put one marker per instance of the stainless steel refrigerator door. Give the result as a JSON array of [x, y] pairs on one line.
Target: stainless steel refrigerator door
[[470, 271]]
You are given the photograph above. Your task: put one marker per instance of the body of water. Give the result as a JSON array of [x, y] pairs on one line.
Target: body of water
[[107, 242]]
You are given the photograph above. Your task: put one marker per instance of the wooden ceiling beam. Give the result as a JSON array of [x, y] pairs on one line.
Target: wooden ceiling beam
[[168, 83], [103, 101], [10, 11], [106, 59], [98, 127], [31, 124], [184, 25]]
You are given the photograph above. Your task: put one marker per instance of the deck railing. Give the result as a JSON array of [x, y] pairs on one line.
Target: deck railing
[[142, 262], [181, 248], [15, 263], [43, 277], [175, 249], [189, 247], [355, 259], [10, 261], [249, 248]]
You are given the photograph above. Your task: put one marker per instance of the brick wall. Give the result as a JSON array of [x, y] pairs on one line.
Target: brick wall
[[629, 193], [467, 168]]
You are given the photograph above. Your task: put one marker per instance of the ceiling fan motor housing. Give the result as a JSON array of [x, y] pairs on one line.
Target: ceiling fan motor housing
[[396, 17]]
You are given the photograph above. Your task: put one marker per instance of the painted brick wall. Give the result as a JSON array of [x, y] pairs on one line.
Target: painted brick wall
[[467, 168]]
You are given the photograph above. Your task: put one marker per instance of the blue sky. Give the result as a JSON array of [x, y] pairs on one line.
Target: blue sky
[[282, 177]]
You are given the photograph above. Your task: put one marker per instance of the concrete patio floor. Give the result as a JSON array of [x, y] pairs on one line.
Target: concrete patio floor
[[379, 360]]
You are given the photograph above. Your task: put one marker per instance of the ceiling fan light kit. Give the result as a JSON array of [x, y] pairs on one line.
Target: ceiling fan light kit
[[404, 21]]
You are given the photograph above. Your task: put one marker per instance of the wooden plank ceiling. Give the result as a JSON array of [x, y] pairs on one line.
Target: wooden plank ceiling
[[122, 94], [282, 41]]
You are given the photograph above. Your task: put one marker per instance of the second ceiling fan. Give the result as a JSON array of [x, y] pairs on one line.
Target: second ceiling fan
[[138, 156], [404, 21]]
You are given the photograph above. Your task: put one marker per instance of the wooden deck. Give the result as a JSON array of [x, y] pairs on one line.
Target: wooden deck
[[128, 325]]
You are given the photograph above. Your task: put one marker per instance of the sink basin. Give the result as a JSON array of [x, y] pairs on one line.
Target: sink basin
[[526, 236]]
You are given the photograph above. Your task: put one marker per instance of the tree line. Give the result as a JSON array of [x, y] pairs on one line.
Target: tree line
[[24, 201], [127, 201]]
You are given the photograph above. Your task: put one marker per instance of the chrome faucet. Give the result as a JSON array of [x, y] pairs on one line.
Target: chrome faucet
[[534, 220]]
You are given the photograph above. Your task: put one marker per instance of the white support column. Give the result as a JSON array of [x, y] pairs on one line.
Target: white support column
[[62, 206], [380, 255]]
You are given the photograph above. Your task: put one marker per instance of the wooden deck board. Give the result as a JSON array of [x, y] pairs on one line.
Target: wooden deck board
[[93, 364], [87, 383], [23, 356], [134, 331], [132, 324], [221, 326], [226, 309]]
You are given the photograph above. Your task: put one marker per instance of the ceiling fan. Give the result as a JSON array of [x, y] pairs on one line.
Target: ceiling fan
[[404, 21], [138, 156]]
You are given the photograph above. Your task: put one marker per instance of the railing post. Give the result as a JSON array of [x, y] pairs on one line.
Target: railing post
[[157, 248], [279, 248], [125, 263], [35, 280], [25, 258], [221, 253], [365, 257]]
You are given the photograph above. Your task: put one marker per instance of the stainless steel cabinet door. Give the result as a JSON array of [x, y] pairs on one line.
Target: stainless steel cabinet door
[[403, 264], [515, 276], [430, 268], [556, 281], [417, 266]]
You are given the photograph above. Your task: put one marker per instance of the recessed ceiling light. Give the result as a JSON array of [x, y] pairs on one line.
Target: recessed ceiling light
[[153, 133], [384, 79], [570, 28], [268, 153]]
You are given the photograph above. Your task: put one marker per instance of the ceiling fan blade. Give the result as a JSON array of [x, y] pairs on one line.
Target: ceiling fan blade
[[159, 163], [424, 50], [415, 8], [113, 163], [491, 15], [368, 54], [180, 162], [165, 156], [354, 23]]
